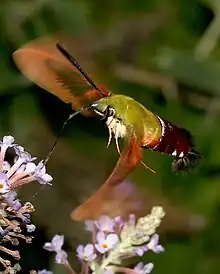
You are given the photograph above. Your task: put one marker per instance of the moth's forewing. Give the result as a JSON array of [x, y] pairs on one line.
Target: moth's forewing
[[43, 63], [116, 196]]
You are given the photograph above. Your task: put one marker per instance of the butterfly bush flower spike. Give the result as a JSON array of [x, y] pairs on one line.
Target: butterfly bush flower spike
[[115, 241], [14, 215]]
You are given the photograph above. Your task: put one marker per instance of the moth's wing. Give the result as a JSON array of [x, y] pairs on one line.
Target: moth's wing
[[44, 64], [116, 196]]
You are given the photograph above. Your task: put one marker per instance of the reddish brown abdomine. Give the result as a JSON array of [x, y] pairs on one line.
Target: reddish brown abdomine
[[177, 142]]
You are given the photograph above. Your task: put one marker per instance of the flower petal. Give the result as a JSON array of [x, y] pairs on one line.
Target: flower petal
[[155, 239], [100, 237], [100, 248], [48, 246], [61, 257], [89, 249], [58, 241], [80, 250], [148, 268], [112, 239], [139, 267], [92, 257]]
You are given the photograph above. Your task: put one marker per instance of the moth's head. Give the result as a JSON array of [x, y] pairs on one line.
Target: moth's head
[[103, 108]]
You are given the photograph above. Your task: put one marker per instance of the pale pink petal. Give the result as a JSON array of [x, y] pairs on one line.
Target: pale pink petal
[[100, 248], [80, 250], [89, 249], [112, 239], [100, 237]]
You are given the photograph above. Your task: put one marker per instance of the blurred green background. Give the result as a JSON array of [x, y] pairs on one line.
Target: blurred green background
[[163, 53]]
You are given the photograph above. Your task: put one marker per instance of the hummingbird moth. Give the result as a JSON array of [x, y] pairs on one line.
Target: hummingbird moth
[[50, 66]]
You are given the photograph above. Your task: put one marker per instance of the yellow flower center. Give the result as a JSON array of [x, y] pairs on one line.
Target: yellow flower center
[[1, 185], [105, 245]]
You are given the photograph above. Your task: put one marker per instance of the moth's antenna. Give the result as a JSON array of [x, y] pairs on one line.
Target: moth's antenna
[[77, 66], [60, 133]]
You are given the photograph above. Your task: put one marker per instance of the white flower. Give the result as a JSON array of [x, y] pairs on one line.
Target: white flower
[[105, 224], [40, 174], [86, 253], [105, 243], [7, 141]]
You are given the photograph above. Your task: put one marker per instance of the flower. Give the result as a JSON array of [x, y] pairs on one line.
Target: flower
[[56, 246], [140, 268], [105, 243], [30, 228], [24, 154], [56, 243], [26, 218], [89, 225], [7, 141], [118, 220], [86, 253], [105, 224], [40, 174], [44, 271], [153, 244], [61, 257], [4, 184], [11, 198], [140, 250]]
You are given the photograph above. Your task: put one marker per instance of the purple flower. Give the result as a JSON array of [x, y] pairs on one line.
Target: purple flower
[[132, 219], [56, 246], [61, 257], [118, 220], [11, 198], [140, 268], [153, 244], [140, 250], [56, 243], [44, 271], [105, 224], [86, 253], [23, 154], [4, 184], [26, 218], [40, 174], [105, 243]]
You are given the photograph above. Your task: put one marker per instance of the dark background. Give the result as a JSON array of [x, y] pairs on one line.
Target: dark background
[[163, 53]]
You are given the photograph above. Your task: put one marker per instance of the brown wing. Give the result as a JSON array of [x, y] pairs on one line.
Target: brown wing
[[45, 65], [115, 196]]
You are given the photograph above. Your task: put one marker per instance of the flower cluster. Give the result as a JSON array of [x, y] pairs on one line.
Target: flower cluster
[[15, 217], [113, 241]]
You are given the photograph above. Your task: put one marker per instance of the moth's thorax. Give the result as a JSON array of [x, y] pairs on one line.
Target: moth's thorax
[[130, 118]]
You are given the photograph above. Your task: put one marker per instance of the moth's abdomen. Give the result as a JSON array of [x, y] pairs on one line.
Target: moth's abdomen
[[177, 142]]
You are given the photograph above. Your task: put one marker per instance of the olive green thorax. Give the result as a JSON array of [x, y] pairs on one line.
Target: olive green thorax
[[136, 118]]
